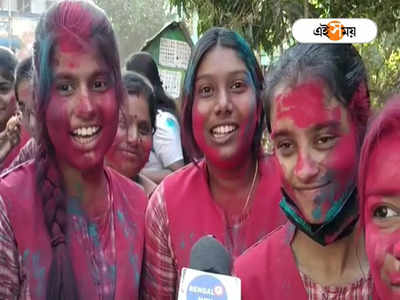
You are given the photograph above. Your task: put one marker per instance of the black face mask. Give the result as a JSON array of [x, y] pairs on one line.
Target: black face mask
[[340, 224]]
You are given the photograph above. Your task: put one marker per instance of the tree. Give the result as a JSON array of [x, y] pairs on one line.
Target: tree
[[266, 24], [382, 60], [134, 21]]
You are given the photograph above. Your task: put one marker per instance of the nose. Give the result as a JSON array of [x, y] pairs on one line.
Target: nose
[[224, 104], [133, 137], [85, 107], [306, 168]]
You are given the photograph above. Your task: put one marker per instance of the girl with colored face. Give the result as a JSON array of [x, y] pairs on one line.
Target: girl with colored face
[[231, 190], [380, 199], [132, 144], [8, 62], [317, 108], [315, 144], [24, 94], [12, 135], [75, 221], [166, 155]]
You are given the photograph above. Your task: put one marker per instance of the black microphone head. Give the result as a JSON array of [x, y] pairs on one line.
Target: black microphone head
[[209, 255]]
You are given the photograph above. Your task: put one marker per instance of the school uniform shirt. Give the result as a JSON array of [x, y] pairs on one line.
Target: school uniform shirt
[[268, 270], [182, 210], [106, 251], [167, 147]]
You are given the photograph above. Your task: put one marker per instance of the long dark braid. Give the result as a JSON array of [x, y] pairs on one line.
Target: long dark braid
[[85, 22]]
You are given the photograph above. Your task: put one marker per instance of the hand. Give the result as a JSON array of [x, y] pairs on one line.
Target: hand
[[13, 128]]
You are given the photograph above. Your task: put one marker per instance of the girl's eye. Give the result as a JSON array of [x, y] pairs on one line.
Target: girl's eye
[[65, 89], [285, 148], [238, 85], [382, 212], [100, 85], [326, 141], [205, 91]]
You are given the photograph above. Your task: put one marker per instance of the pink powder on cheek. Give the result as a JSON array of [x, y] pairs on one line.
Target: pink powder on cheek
[[379, 247]]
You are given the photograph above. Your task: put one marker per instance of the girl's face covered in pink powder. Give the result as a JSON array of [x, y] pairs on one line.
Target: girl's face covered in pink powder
[[382, 215], [82, 115], [315, 145], [225, 110]]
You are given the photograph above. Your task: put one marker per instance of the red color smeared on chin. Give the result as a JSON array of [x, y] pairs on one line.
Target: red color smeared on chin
[[382, 235]]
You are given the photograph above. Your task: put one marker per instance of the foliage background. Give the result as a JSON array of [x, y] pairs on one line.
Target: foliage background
[[134, 21], [266, 24]]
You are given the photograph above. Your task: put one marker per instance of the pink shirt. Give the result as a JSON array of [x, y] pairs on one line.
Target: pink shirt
[[182, 210], [106, 252], [268, 270]]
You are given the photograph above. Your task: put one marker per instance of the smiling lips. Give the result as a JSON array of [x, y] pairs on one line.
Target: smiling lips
[[85, 135], [311, 188], [223, 130]]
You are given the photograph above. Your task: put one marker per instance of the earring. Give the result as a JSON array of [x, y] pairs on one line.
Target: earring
[[267, 143]]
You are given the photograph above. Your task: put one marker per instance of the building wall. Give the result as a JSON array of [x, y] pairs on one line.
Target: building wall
[[36, 6], [4, 4], [171, 76]]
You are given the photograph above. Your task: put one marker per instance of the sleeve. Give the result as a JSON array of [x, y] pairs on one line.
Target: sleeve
[[159, 271], [9, 262], [167, 140]]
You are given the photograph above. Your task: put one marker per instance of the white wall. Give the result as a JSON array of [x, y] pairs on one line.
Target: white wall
[[4, 4], [38, 6]]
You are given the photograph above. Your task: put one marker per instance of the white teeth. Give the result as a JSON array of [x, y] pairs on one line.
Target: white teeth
[[86, 131], [223, 129]]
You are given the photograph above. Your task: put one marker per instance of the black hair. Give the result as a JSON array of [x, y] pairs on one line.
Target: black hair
[[8, 62], [23, 72], [339, 66], [143, 63]]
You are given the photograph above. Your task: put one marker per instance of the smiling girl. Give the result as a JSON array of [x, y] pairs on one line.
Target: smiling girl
[[379, 177], [317, 109], [70, 228], [231, 190]]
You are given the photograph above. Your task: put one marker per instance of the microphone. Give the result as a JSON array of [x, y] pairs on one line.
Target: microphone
[[209, 255], [208, 277]]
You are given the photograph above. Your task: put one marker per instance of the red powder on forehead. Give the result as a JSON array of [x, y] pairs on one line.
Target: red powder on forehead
[[305, 105]]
